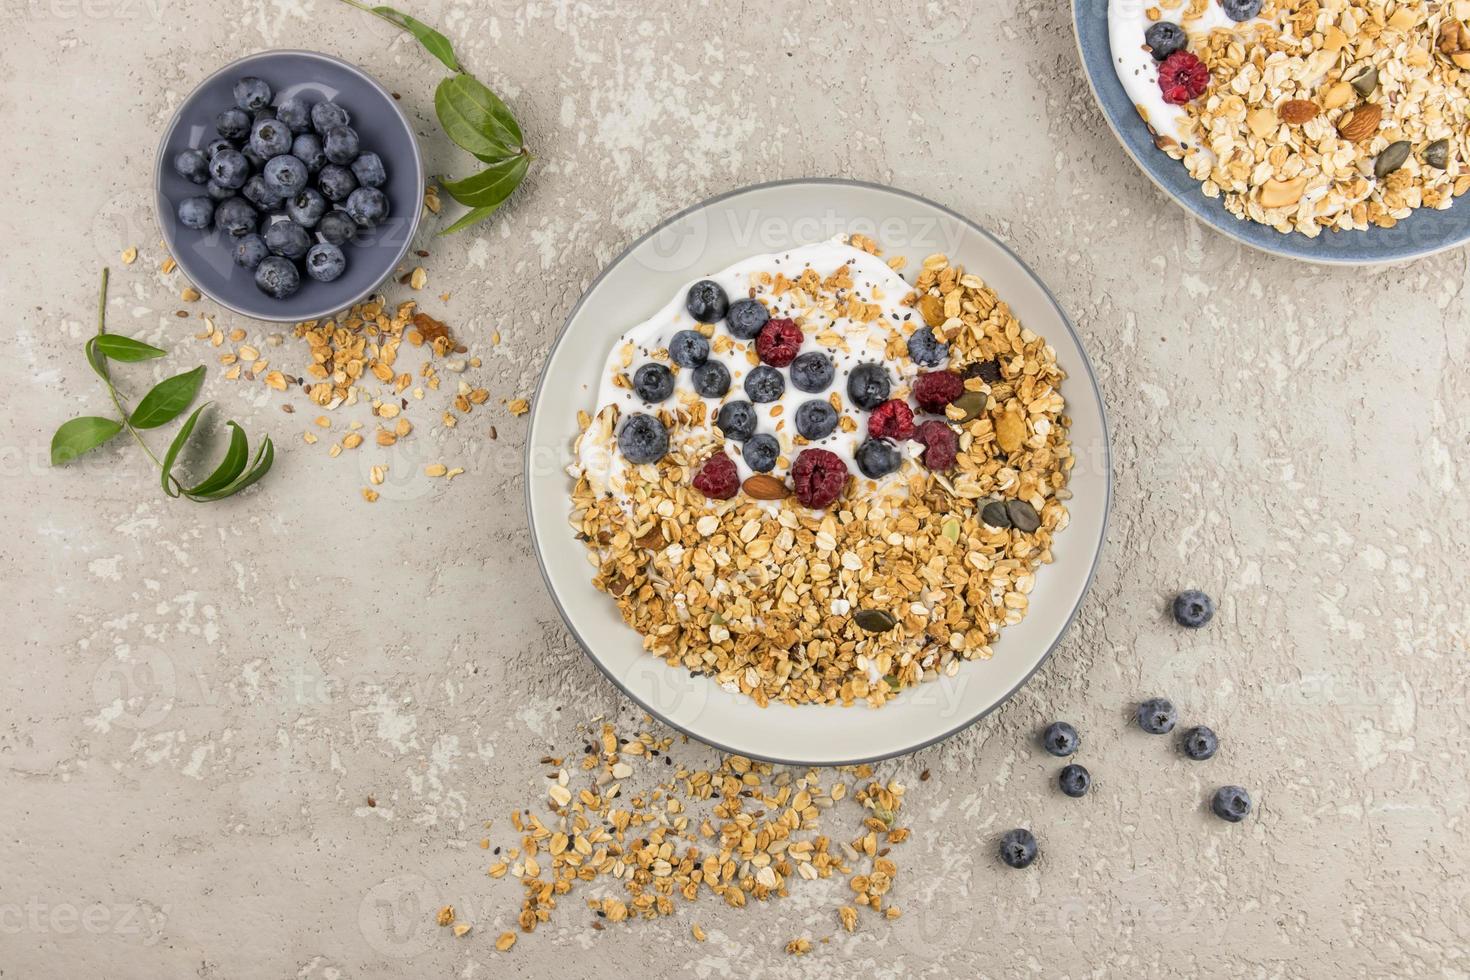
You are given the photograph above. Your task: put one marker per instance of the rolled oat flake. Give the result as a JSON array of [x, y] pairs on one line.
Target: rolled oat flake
[[1023, 515], [995, 514], [1392, 158]]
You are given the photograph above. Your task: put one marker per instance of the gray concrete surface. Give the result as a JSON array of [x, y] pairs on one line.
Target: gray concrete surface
[[199, 700]]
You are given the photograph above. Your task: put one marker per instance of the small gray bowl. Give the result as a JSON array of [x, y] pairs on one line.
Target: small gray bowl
[[206, 256]]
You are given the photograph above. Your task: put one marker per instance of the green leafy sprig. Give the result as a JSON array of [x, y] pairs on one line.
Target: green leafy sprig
[[473, 117], [165, 402]]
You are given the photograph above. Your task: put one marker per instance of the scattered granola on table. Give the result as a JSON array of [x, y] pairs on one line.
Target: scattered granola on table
[[771, 566], [1314, 114]]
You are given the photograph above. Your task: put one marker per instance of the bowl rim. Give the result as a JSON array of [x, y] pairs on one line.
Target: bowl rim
[[1088, 369], [161, 158], [1214, 222]]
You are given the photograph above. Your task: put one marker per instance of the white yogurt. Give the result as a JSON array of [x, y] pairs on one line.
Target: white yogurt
[[1139, 73], [849, 343]]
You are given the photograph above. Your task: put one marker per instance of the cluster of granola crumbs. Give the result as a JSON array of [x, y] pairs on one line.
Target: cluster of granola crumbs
[[881, 591], [743, 831]]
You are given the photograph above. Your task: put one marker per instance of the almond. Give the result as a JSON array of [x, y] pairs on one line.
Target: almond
[[1294, 112], [1282, 193], [1361, 123], [763, 486]]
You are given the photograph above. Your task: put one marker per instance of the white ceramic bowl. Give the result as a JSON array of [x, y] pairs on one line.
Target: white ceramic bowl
[[708, 237]]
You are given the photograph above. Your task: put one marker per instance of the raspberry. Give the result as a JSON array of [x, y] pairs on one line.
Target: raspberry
[[892, 420], [940, 444], [717, 478], [820, 478], [935, 390], [778, 342], [1183, 77]]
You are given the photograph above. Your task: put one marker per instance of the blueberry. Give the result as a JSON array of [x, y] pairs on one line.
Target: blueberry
[[270, 138], [1157, 716], [1200, 743], [308, 149], [1018, 848], [287, 238], [1164, 38], [368, 206], [927, 349], [689, 348], [643, 439], [868, 385], [286, 175], [326, 116], [257, 193], [341, 144], [218, 192], [653, 382], [325, 262], [236, 217], [196, 213], [277, 277], [250, 251], [1193, 609], [307, 208], [711, 380], [215, 145], [256, 161], [1060, 739], [233, 124], [1241, 10], [764, 384], [252, 93], [369, 171], [877, 457], [761, 452], [1231, 803], [747, 317], [268, 112], [815, 419], [230, 169], [812, 372], [193, 166], [1074, 780], [706, 301], [336, 182], [736, 420], [337, 228], [295, 113]]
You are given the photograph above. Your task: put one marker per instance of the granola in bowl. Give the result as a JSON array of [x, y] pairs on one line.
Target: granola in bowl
[[892, 521], [1305, 115]]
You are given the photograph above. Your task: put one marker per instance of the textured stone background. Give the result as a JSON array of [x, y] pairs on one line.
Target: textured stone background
[[199, 700]]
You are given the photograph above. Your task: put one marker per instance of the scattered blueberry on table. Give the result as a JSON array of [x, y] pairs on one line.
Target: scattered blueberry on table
[[271, 180], [1074, 780], [1018, 848], [1157, 716], [1061, 739], [1231, 803], [1193, 609], [1200, 743]]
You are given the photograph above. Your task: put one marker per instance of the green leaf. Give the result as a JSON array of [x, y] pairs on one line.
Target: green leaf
[[79, 435], [127, 349], [168, 399], [490, 187], [95, 358], [469, 218], [476, 119], [229, 468], [435, 43], [170, 485], [264, 457]]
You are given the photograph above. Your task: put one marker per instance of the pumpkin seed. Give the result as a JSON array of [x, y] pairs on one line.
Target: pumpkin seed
[[1437, 154], [1391, 159], [1023, 515], [995, 514], [972, 403], [875, 620], [1366, 83], [951, 529]]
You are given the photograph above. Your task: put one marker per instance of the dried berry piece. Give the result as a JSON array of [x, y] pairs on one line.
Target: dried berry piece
[[941, 445], [936, 389], [778, 342], [1183, 78], [820, 477], [717, 478], [987, 371], [892, 420]]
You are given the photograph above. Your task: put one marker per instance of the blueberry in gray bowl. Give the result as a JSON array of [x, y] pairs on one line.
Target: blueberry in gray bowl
[[308, 149], [325, 262], [236, 217], [277, 277], [250, 250], [341, 144], [369, 170], [196, 213], [285, 175], [287, 239], [270, 138], [259, 194], [252, 94], [229, 168], [326, 116], [295, 112], [368, 206], [233, 123], [307, 208], [336, 182], [337, 228], [193, 166]]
